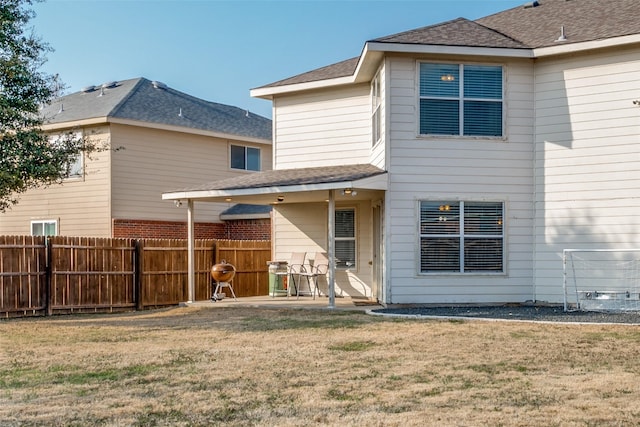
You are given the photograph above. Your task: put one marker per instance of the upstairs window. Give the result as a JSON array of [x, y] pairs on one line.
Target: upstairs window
[[46, 227], [376, 119], [75, 168], [245, 158], [459, 99], [461, 237]]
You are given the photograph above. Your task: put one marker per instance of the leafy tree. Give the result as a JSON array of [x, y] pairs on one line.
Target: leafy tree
[[27, 157]]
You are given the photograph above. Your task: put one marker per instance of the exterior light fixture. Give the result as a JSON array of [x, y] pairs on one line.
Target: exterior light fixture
[[228, 199], [178, 203], [280, 198]]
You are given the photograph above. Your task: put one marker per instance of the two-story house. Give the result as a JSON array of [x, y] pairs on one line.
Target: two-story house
[[159, 137], [453, 163]]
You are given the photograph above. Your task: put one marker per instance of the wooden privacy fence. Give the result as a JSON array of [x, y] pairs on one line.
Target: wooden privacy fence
[[81, 274], [250, 258], [23, 280]]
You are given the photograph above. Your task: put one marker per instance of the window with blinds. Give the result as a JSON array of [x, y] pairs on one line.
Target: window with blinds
[[461, 237], [459, 99], [345, 238]]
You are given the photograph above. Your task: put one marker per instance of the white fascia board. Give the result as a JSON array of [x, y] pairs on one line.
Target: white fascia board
[[427, 49], [213, 194], [564, 47], [74, 124], [378, 182], [190, 130], [268, 92]]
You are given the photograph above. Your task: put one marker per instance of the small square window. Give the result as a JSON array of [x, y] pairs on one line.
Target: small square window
[[245, 158], [46, 227]]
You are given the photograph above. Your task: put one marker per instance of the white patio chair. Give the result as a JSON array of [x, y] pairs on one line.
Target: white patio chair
[[294, 268], [311, 273]]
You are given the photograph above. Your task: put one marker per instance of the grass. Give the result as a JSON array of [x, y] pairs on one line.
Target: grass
[[275, 367]]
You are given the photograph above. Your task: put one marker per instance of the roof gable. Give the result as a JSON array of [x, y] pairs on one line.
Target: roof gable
[[152, 102], [459, 32]]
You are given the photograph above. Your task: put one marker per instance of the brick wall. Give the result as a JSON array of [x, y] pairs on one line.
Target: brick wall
[[258, 229], [248, 229]]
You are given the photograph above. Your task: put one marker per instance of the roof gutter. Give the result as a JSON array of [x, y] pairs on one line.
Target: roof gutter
[[432, 49], [565, 47]]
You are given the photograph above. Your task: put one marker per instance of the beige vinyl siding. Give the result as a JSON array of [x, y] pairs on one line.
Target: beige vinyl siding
[[587, 159], [303, 228], [331, 127], [469, 169], [154, 161], [81, 206]]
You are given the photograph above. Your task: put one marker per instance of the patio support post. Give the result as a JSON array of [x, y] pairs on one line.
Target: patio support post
[[190, 252], [331, 249]]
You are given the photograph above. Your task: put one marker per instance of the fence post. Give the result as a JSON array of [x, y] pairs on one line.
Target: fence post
[[48, 285], [138, 259]]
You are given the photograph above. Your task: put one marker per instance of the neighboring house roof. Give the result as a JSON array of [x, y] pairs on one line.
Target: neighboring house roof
[[152, 102], [522, 27]]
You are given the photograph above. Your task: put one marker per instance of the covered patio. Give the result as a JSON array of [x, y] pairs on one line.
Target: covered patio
[[326, 185]]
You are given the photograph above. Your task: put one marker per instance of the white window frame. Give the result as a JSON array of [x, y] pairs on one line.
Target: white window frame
[[43, 223], [75, 171], [461, 99], [376, 110], [246, 162], [461, 235], [353, 238]]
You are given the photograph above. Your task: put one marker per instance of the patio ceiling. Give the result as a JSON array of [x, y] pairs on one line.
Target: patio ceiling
[[290, 185]]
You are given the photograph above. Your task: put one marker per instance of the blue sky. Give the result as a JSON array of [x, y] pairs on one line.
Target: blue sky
[[220, 49]]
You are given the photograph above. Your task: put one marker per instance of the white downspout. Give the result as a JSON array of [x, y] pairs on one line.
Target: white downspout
[[190, 253]]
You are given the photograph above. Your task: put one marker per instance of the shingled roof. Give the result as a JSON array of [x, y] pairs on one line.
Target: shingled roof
[[523, 27], [290, 177], [583, 20], [458, 32], [152, 102]]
